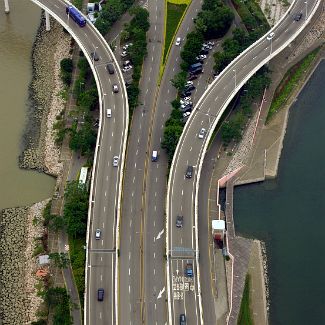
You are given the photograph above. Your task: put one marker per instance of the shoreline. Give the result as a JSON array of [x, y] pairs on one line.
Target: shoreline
[[21, 226]]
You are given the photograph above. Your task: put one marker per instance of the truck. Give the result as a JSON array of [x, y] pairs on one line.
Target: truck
[[76, 15], [196, 68], [189, 270], [218, 232]]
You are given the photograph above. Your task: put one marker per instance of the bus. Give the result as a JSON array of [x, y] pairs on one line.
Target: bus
[[76, 16]]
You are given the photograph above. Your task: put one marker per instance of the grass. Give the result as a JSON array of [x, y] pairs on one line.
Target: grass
[[78, 260], [77, 3], [289, 83], [245, 315], [174, 14]]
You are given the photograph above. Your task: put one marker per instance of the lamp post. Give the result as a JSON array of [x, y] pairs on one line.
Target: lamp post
[[306, 3], [234, 70]]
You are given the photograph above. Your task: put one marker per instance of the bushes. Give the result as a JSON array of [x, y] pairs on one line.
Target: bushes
[[66, 70]]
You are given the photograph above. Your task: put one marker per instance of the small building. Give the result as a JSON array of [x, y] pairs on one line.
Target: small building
[[43, 259]]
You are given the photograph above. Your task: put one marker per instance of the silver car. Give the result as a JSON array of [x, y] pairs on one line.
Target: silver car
[[202, 133], [98, 234], [115, 161]]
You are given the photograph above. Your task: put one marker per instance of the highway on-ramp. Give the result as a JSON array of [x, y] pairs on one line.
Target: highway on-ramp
[[182, 243], [106, 179]]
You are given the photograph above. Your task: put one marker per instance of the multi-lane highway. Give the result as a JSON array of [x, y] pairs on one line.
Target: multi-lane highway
[[106, 179], [182, 243]]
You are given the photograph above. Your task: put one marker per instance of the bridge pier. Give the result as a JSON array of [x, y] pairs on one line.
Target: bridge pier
[[7, 6], [47, 21]]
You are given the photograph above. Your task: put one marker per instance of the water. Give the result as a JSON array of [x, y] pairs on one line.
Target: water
[[17, 33], [288, 213]]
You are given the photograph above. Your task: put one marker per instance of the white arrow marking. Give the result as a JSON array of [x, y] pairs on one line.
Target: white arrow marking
[[160, 293], [159, 235]]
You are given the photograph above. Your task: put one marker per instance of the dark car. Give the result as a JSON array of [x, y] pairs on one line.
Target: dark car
[[203, 51], [100, 294], [189, 270], [186, 108], [192, 77], [94, 56], [189, 172], [189, 88], [110, 68], [298, 16], [179, 221], [185, 94], [182, 319], [199, 60]]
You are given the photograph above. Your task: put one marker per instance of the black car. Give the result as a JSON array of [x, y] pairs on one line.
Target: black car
[[100, 294], [179, 221], [298, 16], [94, 56], [203, 51], [182, 319], [186, 108], [189, 172], [199, 60], [192, 77], [189, 87], [185, 93]]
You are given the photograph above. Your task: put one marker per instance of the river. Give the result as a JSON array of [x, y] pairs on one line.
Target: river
[[288, 213], [17, 32]]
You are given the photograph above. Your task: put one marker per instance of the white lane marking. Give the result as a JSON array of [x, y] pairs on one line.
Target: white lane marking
[[104, 208], [154, 271], [110, 148], [182, 192], [135, 165], [129, 255], [216, 98], [160, 294], [129, 271], [101, 277], [160, 234], [103, 225], [129, 289], [133, 179], [154, 255], [105, 193]]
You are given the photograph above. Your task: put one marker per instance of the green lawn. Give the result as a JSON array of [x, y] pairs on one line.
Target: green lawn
[[289, 83], [174, 14], [245, 315]]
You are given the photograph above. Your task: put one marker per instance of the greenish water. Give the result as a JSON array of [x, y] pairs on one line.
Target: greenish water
[[17, 33], [288, 213]]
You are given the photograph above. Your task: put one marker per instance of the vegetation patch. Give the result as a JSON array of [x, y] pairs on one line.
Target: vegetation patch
[[290, 82], [245, 314], [174, 15]]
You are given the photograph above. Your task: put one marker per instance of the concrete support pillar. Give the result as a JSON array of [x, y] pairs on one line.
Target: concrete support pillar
[[7, 6], [47, 21]]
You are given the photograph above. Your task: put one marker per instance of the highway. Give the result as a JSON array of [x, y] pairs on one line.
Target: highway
[[106, 179], [182, 243]]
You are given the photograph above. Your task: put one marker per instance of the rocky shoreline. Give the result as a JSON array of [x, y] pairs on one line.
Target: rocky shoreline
[[19, 301]]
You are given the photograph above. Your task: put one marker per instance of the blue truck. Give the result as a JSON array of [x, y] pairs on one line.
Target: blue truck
[[76, 15]]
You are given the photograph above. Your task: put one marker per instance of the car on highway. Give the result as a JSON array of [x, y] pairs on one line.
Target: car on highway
[[298, 16], [270, 36], [94, 56], [202, 133], [189, 270], [115, 161], [182, 319], [110, 68], [154, 156], [100, 294], [179, 221], [189, 172], [115, 88], [98, 234], [178, 41]]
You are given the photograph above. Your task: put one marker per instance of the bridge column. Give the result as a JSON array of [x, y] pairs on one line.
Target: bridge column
[[47, 21], [7, 6]]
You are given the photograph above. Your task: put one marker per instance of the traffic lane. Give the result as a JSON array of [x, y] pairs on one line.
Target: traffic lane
[[102, 311], [184, 291]]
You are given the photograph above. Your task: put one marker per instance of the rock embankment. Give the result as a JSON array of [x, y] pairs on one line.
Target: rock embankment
[[40, 151], [18, 230]]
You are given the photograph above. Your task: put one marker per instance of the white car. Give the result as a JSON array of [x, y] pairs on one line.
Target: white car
[[98, 234], [187, 99], [115, 88], [270, 36], [189, 83], [124, 54], [115, 161], [186, 114], [211, 43], [178, 41], [203, 56], [127, 68], [202, 133]]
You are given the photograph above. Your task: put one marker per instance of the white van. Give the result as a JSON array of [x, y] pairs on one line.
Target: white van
[[109, 112], [154, 156]]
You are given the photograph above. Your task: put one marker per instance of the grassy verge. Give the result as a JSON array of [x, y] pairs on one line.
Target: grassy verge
[[174, 14], [77, 3], [78, 260], [289, 83], [245, 315]]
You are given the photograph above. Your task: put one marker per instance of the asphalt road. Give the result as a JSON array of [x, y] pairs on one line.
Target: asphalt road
[[182, 191], [105, 195]]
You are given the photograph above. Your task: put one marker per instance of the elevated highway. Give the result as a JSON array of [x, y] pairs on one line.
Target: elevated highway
[[182, 196], [106, 182]]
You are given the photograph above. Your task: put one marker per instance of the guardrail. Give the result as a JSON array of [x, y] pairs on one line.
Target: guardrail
[[210, 133], [117, 242]]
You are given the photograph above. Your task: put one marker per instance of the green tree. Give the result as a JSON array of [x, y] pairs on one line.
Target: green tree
[[66, 65], [60, 260], [192, 47], [172, 134], [179, 81]]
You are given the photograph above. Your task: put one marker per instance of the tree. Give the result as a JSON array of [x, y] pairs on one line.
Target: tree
[[140, 19], [60, 260], [172, 134], [66, 65], [192, 47], [179, 81]]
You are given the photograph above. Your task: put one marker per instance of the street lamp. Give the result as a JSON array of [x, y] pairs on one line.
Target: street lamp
[[234, 70], [306, 3]]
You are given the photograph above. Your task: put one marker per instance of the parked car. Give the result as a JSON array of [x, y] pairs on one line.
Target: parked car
[[202, 133], [189, 82], [204, 51], [187, 114], [211, 43], [185, 93], [115, 161], [203, 56], [192, 77], [124, 54], [126, 46], [179, 221], [189, 87]]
